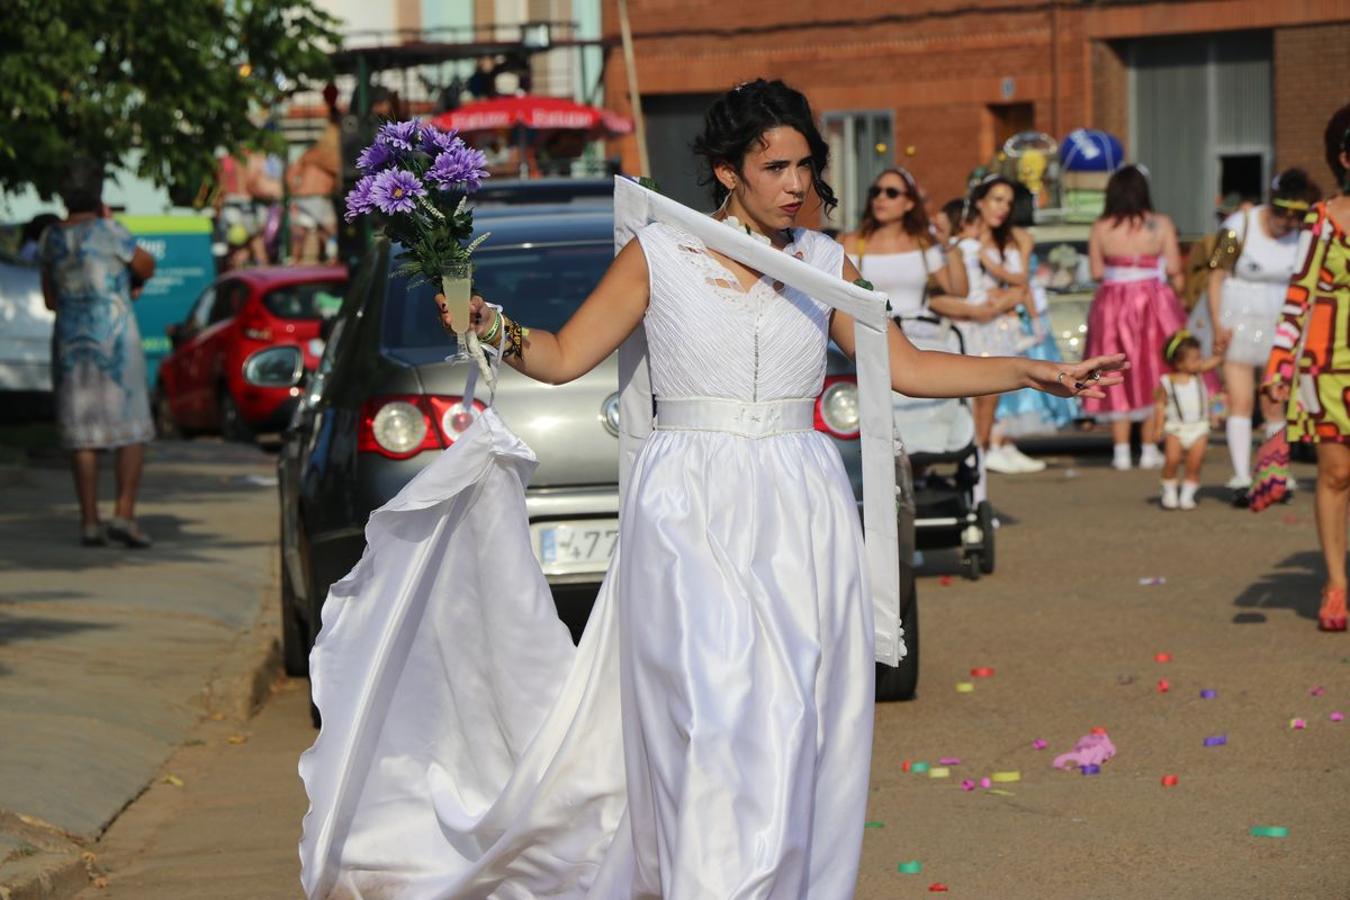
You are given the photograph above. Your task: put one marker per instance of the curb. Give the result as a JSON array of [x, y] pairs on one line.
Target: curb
[[44, 863], [238, 691]]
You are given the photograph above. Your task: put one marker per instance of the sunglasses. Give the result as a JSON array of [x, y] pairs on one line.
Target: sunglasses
[[892, 192]]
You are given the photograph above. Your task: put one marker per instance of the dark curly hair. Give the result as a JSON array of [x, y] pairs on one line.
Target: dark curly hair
[[1337, 140], [740, 117]]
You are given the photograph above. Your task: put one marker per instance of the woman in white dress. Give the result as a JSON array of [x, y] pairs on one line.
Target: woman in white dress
[[1250, 269], [711, 735]]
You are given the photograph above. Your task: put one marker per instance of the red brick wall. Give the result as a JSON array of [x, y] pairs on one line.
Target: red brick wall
[[1311, 67], [1110, 91]]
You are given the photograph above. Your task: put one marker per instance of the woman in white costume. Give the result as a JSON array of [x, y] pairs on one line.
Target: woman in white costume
[[1250, 269], [711, 735]]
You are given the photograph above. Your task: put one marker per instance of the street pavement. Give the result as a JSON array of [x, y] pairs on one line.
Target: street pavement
[[109, 657], [1094, 582]]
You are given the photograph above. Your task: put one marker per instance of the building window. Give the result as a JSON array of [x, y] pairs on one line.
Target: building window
[[861, 147]]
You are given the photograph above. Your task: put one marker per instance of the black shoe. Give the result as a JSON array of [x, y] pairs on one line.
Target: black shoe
[[1241, 498]]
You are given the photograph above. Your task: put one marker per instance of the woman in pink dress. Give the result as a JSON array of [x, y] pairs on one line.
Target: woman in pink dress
[[1135, 309]]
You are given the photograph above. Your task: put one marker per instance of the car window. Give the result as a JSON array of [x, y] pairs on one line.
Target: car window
[[229, 298], [201, 312], [356, 292], [318, 300], [540, 286]]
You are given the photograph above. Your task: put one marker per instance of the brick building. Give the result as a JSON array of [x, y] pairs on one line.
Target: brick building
[[1213, 95]]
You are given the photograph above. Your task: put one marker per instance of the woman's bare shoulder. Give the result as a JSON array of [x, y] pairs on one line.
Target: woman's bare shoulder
[[849, 239]]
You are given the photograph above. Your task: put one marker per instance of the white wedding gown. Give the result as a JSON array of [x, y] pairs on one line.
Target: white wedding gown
[[711, 735]]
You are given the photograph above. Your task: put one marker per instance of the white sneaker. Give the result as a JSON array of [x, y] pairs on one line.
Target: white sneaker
[[996, 459], [1169, 495], [1151, 457], [1237, 484], [1120, 458], [1023, 462], [1187, 499]]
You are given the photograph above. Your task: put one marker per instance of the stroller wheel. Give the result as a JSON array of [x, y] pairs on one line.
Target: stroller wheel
[[971, 566], [985, 514]]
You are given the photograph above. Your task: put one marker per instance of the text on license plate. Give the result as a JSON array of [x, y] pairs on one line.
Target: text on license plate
[[580, 544]]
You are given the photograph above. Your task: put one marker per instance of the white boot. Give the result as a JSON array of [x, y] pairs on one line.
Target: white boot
[[1188, 489], [1169, 494], [1151, 457]]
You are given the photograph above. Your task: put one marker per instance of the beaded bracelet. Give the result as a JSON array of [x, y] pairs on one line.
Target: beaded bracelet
[[515, 341]]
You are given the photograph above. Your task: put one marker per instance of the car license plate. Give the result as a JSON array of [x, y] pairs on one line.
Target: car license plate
[[578, 546]]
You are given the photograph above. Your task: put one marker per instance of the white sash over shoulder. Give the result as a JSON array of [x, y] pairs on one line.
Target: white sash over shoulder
[[636, 206]]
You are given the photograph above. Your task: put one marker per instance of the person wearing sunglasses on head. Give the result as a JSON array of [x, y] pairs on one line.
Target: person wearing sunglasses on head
[[1253, 259]]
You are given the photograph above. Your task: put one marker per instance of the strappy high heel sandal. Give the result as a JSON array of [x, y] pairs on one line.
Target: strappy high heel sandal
[[1332, 615]]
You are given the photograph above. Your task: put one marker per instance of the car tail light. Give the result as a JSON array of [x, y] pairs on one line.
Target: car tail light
[[401, 426], [837, 407]]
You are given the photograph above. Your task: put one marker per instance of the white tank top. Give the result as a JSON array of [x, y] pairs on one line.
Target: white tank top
[[903, 277]]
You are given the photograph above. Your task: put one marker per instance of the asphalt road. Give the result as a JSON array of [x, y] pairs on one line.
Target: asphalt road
[[1072, 637]]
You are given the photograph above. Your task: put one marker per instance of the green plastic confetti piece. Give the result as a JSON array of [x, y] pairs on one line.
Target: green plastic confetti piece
[[1270, 831], [875, 825], [919, 768], [913, 867], [1000, 792]]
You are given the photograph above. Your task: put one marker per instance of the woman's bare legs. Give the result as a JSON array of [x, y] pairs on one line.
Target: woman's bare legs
[[84, 466], [1333, 500], [985, 408], [130, 462]]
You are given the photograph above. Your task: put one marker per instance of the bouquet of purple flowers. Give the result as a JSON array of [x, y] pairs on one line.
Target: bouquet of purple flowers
[[419, 179]]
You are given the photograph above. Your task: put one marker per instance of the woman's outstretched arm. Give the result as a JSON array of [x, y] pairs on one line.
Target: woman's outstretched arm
[[596, 329], [930, 373]]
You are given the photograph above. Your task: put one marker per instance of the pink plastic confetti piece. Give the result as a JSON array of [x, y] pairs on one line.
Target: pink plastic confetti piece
[[1164, 685], [986, 783], [1298, 724], [967, 784], [1152, 581], [1337, 716], [1162, 657], [949, 761], [1039, 744], [1317, 691]]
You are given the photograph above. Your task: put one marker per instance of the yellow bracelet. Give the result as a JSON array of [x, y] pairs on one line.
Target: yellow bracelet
[[496, 328]]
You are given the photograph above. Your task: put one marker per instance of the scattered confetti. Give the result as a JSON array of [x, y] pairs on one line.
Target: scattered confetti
[[1152, 580], [875, 825], [1217, 740], [965, 687], [1164, 685], [1317, 691], [937, 887], [1169, 781], [986, 783], [1091, 750], [967, 785], [919, 768], [1298, 724], [949, 761], [904, 766], [1208, 694], [939, 772], [913, 867], [982, 672], [1162, 657], [1337, 716], [1091, 769], [1002, 793], [1270, 831], [1096, 729], [1039, 744], [1006, 777], [945, 580], [173, 780]]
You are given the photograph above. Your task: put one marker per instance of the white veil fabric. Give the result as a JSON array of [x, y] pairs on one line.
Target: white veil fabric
[[636, 206]]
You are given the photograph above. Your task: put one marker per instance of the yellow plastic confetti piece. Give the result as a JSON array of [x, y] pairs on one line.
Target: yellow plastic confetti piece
[[173, 780], [965, 687], [1000, 792], [939, 772], [1006, 777]]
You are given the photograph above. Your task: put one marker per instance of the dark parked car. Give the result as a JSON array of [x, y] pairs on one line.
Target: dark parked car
[[239, 357], [384, 399]]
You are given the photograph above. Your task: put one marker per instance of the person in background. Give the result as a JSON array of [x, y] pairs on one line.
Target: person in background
[[312, 179], [1309, 367], [88, 265], [31, 236], [1181, 413], [1134, 310], [1250, 268]]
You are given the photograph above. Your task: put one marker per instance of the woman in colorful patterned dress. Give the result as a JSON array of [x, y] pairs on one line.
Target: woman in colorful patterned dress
[[98, 368], [1309, 368]]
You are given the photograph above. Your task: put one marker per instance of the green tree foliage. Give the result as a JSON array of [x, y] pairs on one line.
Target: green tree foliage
[[163, 84]]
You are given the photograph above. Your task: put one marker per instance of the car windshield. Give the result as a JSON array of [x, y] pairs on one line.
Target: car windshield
[[1062, 267], [315, 300], [541, 286]]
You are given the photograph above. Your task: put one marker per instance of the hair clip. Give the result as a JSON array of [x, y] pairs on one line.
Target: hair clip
[[1143, 170]]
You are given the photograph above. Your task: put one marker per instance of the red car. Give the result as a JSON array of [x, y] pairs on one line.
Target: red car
[[238, 359]]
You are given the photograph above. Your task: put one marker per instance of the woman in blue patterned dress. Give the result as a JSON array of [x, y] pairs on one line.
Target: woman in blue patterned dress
[[89, 263]]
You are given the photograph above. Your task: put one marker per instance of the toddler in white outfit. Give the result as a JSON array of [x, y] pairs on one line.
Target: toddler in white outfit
[[1182, 405]]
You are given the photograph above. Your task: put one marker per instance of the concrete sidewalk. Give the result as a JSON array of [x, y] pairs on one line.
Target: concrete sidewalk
[[109, 657]]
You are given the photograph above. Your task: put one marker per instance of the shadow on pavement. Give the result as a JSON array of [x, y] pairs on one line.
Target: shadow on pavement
[[34, 628], [1295, 584]]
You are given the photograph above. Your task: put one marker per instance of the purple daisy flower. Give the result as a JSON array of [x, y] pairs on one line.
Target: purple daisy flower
[[375, 157], [435, 141], [399, 135], [459, 166], [396, 191], [359, 200]]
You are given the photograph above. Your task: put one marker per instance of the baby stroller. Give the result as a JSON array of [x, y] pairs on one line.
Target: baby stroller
[[939, 438]]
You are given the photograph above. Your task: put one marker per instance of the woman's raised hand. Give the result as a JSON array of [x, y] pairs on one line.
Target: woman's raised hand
[[480, 314], [1088, 378]]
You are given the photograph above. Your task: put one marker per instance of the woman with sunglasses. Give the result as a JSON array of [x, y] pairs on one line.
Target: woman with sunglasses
[[895, 249], [1250, 268]]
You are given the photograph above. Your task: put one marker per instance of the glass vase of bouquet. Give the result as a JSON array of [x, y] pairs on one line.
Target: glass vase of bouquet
[[417, 179]]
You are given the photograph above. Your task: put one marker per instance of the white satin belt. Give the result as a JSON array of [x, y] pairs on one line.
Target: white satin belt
[[1119, 274], [752, 420]]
